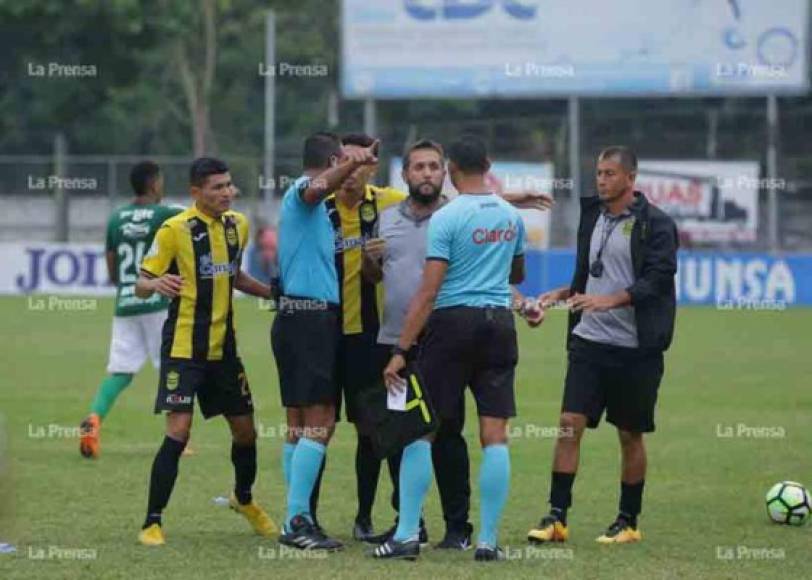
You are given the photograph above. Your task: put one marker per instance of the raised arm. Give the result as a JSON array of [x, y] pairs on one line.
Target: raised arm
[[330, 179]]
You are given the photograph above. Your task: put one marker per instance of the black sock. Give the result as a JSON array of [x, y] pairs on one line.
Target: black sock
[[244, 458], [314, 495], [631, 501], [452, 471], [162, 478], [394, 474], [367, 470], [561, 494]]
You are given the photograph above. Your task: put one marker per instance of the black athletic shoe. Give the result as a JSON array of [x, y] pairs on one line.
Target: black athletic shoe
[[317, 525], [304, 536], [390, 533], [394, 550], [364, 532], [486, 553], [457, 539]]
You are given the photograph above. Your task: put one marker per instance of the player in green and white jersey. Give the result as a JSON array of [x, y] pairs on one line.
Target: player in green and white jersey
[[137, 322]]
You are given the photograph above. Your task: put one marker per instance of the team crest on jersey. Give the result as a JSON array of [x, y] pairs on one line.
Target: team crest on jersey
[[367, 212], [628, 226], [172, 380], [231, 236]]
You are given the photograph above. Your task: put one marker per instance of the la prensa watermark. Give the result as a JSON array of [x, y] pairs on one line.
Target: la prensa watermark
[[283, 552], [536, 431], [53, 431], [533, 69], [744, 431], [60, 304], [293, 70], [46, 182], [61, 553], [750, 553], [517, 553], [283, 431], [751, 304], [61, 70]]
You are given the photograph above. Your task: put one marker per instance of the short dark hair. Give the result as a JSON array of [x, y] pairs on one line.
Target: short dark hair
[[143, 175], [625, 156], [357, 139], [422, 144], [469, 154], [202, 167], [318, 148]]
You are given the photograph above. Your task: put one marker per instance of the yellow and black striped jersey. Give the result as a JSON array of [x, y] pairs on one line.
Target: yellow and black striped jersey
[[361, 301], [206, 252]]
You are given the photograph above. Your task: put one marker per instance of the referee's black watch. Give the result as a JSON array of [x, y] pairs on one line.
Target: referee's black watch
[[397, 350]]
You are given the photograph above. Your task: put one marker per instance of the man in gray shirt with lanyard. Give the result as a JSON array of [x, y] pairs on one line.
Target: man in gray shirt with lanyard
[[622, 307]]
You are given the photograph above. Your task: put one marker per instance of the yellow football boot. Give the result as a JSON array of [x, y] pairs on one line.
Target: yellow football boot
[[152, 536], [620, 532], [550, 529], [256, 516]]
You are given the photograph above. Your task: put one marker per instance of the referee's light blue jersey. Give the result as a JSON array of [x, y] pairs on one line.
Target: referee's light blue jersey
[[478, 235], [306, 247]]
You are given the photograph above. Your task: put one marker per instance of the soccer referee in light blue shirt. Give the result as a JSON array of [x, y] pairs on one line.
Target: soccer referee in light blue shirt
[[307, 327], [475, 251]]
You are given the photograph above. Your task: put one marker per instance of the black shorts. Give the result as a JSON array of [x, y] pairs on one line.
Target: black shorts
[[623, 381], [359, 367], [304, 345], [221, 387], [473, 347]]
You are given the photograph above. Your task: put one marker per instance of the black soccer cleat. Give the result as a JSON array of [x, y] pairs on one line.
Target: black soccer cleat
[[363, 531], [305, 536], [457, 539], [394, 550], [390, 533], [488, 553]]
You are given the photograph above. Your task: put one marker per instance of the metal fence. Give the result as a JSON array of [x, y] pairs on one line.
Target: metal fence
[[64, 196]]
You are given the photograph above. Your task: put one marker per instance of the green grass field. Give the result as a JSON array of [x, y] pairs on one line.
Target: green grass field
[[703, 514]]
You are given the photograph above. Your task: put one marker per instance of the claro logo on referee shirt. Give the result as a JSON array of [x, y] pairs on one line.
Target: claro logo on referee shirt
[[486, 236]]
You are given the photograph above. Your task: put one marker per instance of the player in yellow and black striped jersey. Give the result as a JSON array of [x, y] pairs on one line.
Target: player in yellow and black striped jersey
[[195, 261], [354, 211]]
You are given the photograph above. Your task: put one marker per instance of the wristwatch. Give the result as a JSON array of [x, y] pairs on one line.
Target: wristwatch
[[397, 350]]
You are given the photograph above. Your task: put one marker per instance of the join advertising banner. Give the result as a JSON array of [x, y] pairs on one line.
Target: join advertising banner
[[725, 280], [485, 48]]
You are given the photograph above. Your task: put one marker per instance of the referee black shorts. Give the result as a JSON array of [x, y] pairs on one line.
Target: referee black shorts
[[474, 347], [304, 339], [622, 381], [220, 386]]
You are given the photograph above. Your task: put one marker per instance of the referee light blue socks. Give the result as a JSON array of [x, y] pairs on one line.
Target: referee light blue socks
[[415, 478], [287, 457], [494, 483], [304, 469]]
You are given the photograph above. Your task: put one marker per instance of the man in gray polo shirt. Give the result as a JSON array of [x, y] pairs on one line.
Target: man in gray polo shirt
[[622, 308], [397, 258]]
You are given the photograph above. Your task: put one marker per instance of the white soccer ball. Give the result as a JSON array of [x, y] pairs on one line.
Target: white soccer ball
[[788, 503]]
